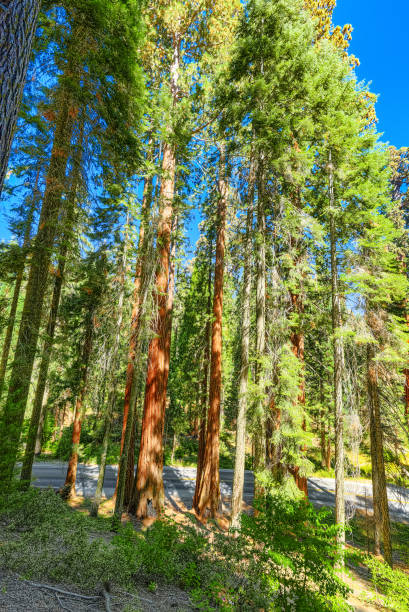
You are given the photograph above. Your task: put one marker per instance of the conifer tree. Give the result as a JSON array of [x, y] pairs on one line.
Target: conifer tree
[[18, 20]]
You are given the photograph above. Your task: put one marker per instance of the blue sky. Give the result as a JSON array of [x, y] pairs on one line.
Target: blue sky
[[380, 40]]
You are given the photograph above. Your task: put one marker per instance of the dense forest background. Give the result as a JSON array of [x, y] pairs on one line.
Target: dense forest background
[[280, 344]]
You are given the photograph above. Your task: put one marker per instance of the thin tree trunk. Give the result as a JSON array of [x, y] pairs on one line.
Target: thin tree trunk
[[71, 477], [18, 20], [111, 404], [40, 430], [338, 366], [297, 343], [239, 462], [52, 318], [137, 306], [207, 493], [260, 434], [141, 288], [380, 492], [17, 286], [205, 380], [24, 355]]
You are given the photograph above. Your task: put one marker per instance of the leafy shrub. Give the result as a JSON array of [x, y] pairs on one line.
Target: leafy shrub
[[392, 583], [297, 553], [31, 508]]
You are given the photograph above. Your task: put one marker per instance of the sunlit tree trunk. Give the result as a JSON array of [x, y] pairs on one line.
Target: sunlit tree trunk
[[149, 492], [71, 477], [139, 296], [239, 463], [380, 492], [207, 494], [24, 355], [18, 20], [338, 364], [17, 286], [205, 379]]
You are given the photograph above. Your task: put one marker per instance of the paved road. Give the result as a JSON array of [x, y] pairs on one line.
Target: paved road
[[180, 485]]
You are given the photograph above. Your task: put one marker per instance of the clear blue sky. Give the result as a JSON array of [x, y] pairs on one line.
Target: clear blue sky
[[380, 40]]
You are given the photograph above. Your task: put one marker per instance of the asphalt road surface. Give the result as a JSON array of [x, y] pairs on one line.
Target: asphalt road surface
[[180, 485]]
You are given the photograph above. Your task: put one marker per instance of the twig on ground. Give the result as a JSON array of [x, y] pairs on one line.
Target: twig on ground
[[62, 605], [40, 585]]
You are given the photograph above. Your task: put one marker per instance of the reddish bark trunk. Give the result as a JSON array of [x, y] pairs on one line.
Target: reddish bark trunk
[[69, 485], [207, 493], [137, 305], [206, 360], [149, 480]]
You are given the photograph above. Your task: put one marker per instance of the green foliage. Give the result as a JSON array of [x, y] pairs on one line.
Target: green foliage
[[297, 550], [392, 583], [283, 558]]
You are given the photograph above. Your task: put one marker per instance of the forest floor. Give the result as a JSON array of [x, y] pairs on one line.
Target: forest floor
[[19, 595]]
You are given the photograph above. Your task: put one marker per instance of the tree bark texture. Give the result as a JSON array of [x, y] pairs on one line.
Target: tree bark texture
[[207, 493], [18, 20], [205, 379], [33, 304], [239, 461], [380, 492], [139, 296], [71, 477], [149, 493]]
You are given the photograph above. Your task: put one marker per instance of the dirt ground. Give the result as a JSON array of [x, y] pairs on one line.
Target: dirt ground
[[18, 595]]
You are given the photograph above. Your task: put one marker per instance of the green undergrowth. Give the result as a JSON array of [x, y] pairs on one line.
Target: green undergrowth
[[283, 558]]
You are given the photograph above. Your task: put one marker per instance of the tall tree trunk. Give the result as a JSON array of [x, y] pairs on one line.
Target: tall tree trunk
[[239, 462], [71, 477], [297, 342], [137, 306], [260, 434], [18, 20], [380, 492], [149, 492], [125, 477], [207, 493], [40, 431], [52, 318], [141, 290], [111, 403], [338, 365], [205, 379], [20, 377], [17, 285]]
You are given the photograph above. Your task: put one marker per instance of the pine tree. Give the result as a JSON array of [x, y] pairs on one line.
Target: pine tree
[[18, 22]]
